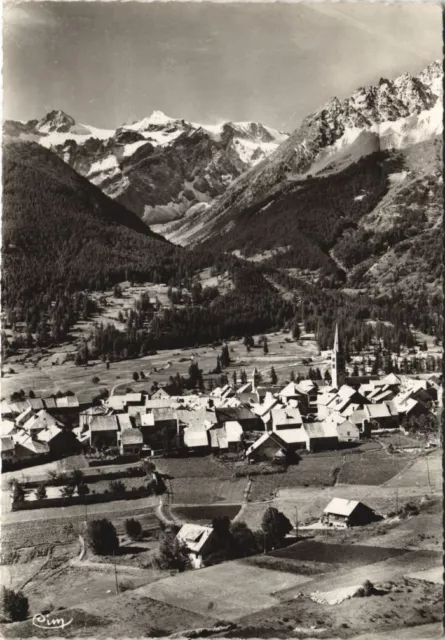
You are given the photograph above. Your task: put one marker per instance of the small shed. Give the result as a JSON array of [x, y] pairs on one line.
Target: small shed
[[348, 513]]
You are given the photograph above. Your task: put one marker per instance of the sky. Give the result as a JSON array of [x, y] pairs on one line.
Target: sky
[[109, 63]]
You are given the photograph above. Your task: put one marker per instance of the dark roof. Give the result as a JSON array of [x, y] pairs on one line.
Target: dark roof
[[227, 414]]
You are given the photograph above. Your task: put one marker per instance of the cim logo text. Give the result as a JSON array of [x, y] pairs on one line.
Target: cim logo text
[[45, 622]]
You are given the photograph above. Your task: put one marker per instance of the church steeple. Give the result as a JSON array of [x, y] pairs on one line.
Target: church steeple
[[338, 373]]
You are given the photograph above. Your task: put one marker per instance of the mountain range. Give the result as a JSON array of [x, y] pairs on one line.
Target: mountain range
[[158, 167], [351, 198]]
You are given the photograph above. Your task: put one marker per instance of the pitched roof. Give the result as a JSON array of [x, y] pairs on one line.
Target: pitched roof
[[25, 440], [67, 401], [196, 420], [218, 438], [293, 436], [391, 379], [124, 422], [6, 443], [234, 431], [25, 415], [194, 438], [290, 391], [286, 416], [49, 433], [358, 416], [194, 536], [104, 423], [341, 506], [267, 435], [376, 411], [164, 413], [6, 427], [320, 429], [227, 414], [132, 436]]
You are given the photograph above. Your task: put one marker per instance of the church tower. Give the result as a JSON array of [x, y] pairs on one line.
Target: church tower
[[338, 373]]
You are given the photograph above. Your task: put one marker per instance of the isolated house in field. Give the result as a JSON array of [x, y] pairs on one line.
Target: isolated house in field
[[199, 541], [348, 513], [269, 446], [131, 441], [322, 435], [104, 431]]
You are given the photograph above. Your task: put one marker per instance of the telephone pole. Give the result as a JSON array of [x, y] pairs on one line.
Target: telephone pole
[[115, 575], [296, 522]]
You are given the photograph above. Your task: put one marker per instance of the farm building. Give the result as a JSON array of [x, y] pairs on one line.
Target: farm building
[[348, 513], [7, 447], [269, 446], [104, 431], [348, 432], [196, 441], [199, 542], [61, 442], [322, 435], [131, 441], [160, 394], [284, 418], [246, 418], [380, 416]]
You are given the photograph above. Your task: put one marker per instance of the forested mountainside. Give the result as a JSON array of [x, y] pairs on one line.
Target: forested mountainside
[[159, 167], [60, 232]]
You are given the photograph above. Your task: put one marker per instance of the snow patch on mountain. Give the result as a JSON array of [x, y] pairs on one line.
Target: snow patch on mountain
[[132, 147]]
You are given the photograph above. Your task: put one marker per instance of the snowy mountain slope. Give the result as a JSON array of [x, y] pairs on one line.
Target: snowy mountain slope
[[159, 167], [393, 115]]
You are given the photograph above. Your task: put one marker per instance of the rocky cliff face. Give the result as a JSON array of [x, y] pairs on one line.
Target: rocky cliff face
[[158, 167], [393, 115]]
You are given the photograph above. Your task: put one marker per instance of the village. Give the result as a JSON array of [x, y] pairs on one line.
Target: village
[[255, 420], [200, 479]]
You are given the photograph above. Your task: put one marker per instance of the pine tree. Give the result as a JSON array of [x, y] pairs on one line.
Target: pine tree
[[273, 376]]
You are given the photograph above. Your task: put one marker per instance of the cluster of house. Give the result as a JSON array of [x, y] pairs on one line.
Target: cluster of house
[[200, 540], [262, 421], [32, 428]]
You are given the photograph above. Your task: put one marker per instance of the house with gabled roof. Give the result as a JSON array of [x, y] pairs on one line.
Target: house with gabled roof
[[322, 435], [268, 446], [200, 542], [104, 431], [131, 441], [247, 418], [7, 447], [348, 513], [284, 418]]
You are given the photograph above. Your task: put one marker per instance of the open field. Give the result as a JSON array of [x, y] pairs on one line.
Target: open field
[[351, 555], [204, 514], [208, 490], [46, 379]]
